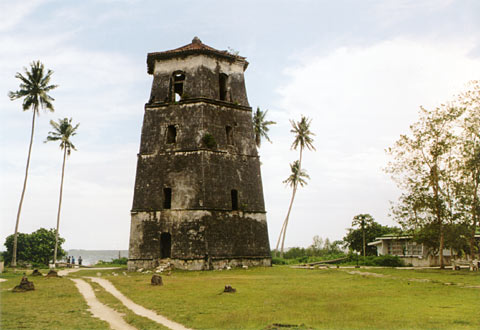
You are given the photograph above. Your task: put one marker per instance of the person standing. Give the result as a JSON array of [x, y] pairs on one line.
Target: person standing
[[73, 261], [79, 260]]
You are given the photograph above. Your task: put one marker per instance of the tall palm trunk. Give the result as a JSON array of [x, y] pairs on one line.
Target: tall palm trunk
[[59, 206], [15, 236], [285, 222], [291, 202], [280, 235]]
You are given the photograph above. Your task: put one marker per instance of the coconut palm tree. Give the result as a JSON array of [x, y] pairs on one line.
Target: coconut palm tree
[[297, 177], [260, 126], [62, 131], [34, 86], [303, 139]]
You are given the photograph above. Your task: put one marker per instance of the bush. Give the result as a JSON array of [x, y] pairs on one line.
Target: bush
[[120, 261], [35, 248], [209, 141]]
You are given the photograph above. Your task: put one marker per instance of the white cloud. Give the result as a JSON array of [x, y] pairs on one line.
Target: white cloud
[[13, 13], [360, 99]]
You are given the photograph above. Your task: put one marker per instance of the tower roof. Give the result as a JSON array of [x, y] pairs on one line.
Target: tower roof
[[195, 47]]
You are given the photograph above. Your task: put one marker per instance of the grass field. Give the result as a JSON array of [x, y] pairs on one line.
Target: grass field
[[55, 304], [329, 298]]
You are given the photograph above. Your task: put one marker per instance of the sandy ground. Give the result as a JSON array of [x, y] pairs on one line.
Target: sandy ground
[[108, 314], [100, 310], [137, 309], [65, 272]]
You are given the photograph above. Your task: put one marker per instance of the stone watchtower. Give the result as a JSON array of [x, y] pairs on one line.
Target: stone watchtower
[[198, 197]]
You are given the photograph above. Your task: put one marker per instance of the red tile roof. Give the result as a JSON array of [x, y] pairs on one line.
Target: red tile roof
[[196, 47]]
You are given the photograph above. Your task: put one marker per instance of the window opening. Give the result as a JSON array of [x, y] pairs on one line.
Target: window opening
[[234, 199], [167, 198], [223, 86], [229, 133], [171, 134], [178, 80], [165, 245]]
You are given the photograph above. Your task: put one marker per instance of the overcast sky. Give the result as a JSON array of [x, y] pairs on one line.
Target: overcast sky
[[359, 69]]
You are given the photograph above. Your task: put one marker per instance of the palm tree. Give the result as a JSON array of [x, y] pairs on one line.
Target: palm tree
[[62, 131], [297, 177], [303, 139], [363, 220], [34, 87], [260, 126]]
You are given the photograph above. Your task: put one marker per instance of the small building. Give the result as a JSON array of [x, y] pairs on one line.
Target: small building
[[411, 252]]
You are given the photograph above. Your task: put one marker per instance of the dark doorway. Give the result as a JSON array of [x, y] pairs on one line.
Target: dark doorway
[[223, 86], [167, 198], [165, 245], [171, 134], [229, 133], [234, 199]]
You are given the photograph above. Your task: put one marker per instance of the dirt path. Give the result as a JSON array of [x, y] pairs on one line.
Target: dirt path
[[137, 309], [65, 272], [103, 312]]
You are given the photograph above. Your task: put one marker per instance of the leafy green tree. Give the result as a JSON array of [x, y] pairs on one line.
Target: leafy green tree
[[34, 88], [355, 237], [362, 221], [303, 139], [468, 162], [36, 248], [62, 131], [260, 126], [423, 166]]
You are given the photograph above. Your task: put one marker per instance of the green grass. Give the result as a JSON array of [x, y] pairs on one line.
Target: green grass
[[317, 298], [131, 318], [313, 299], [55, 304], [462, 277]]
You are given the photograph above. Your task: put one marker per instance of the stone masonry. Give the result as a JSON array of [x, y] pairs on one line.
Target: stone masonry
[[198, 199]]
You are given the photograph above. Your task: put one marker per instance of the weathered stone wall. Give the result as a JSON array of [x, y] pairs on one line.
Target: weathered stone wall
[[200, 177], [201, 226], [199, 235], [201, 79]]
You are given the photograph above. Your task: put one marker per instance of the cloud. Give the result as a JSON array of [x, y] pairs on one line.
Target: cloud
[[360, 99], [12, 13]]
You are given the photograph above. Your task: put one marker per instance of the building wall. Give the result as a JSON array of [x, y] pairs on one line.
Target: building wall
[[204, 226], [201, 79]]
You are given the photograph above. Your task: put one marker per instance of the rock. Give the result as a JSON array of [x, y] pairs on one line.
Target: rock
[[99, 274], [156, 280], [25, 285], [229, 289], [228, 267], [124, 274], [245, 267], [36, 272], [140, 270], [52, 273]]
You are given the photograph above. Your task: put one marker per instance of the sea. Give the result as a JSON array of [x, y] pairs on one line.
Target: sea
[[91, 257]]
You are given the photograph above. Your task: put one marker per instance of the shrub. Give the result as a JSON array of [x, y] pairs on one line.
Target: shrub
[[35, 248], [209, 141]]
